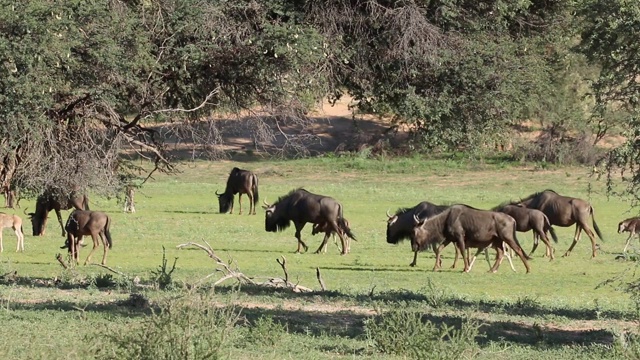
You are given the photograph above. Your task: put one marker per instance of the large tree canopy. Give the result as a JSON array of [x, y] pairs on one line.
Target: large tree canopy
[[88, 86], [610, 32]]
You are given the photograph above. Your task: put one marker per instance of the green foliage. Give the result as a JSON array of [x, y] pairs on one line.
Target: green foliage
[[161, 277], [404, 332], [265, 332], [190, 327]]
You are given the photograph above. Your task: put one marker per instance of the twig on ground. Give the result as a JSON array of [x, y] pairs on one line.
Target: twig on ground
[[61, 261], [322, 286], [111, 269], [229, 273]]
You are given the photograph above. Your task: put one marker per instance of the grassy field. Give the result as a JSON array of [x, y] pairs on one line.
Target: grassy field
[[556, 311]]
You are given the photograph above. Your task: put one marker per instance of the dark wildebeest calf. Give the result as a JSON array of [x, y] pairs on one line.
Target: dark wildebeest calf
[[531, 219], [326, 228], [630, 225], [51, 200], [300, 207], [469, 228], [239, 182], [94, 223], [565, 211]]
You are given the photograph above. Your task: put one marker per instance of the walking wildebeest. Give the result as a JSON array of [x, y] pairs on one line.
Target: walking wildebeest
[[325, 228], [239, 182], [301, 207], [631, 225], [84, 222], [14, 222], [565, 211], [400, 225], [51, 200], [469, 228], [530, 219]]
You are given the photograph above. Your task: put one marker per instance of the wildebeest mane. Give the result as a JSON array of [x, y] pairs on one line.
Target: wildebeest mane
[[401, 211], [504, 204], [289, 194]]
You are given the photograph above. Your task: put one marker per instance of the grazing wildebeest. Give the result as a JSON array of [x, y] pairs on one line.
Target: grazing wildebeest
[[301, 207], [239, 182], [51, 200], [84, 222], [325, 228], [14, 222], [630, 225], [469, 228], [400, 225], [530, 219], [565, 211]]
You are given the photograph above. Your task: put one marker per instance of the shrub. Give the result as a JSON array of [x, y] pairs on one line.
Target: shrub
[[403, 332], [191, 327], [265, 332]]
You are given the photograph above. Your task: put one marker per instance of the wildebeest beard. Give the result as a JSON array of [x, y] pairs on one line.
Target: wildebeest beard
[[225, 200], [279, 224]]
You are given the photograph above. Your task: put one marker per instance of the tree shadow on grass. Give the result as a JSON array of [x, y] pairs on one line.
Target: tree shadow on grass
[[351, 325]]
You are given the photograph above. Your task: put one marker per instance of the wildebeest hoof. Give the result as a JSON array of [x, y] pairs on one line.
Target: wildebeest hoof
[[412, 264], [566, 254]]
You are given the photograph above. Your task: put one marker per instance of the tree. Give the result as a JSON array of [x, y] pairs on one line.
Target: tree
[[610, 30], [87, 87]]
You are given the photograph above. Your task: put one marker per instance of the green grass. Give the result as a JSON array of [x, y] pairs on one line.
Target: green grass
[[172, 210]]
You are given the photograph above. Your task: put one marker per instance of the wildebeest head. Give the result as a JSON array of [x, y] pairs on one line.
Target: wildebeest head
[[630, 225], [274, 221], [225, 200], [38, 217], [396, 230]]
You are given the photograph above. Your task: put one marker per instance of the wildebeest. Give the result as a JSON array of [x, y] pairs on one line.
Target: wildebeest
[[51, 200], [300, 207], [84, 222], [630, 225], [239, 182], [14, 222], [400, 225], [467, 227], [530, 219], [565, 211], [343, 225]]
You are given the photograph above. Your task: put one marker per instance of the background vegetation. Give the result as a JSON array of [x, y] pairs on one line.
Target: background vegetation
[[92, 92]]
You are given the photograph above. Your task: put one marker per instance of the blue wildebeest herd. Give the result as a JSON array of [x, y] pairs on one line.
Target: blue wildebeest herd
[[426, 225]]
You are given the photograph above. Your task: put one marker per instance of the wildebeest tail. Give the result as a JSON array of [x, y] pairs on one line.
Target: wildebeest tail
[[107, 234], [595, 226], [547, 225], [255, 189]]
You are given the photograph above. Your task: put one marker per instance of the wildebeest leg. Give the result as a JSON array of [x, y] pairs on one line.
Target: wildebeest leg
[[106, 248], [60, 221], [499, 258], [535, 243], [240, 203], [512, 243], [592, 236], [252, 206], [628, 241], [438, 263], [540, 234], [461, 246], [336, 229], [1, 248], [323, 245], [576, 238], [96, 243], [73, 247], [299, 228]]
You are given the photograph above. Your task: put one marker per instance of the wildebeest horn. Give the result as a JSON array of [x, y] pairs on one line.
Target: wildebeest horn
[[416, 219], [265, 203], [25, 211], [217, 193], [388, 215]]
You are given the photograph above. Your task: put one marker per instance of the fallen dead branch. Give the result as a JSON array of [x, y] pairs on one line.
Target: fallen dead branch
[[61, 261], [112, 270], [234, 273]]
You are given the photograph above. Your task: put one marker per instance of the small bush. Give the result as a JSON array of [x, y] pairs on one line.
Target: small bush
[[191, 327], [403, 332], [265, 332]]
